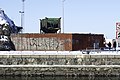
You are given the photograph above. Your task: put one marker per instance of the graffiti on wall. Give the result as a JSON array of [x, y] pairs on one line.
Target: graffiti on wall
[[40, 43], [46, 43]]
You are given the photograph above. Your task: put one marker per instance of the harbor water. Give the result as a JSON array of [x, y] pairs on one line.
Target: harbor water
[[59, 78]]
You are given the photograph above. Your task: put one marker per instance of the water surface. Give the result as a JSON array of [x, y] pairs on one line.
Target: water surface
[[59, 78]]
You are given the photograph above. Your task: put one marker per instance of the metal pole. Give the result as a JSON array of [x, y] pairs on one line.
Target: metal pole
[[22, 14], [63, 13]]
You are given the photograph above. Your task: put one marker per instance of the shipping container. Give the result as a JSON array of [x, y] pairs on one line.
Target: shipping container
[[56, 42], [87, 41]]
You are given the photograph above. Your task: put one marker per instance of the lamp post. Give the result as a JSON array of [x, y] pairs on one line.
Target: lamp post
[[22, 14], [63, 14]]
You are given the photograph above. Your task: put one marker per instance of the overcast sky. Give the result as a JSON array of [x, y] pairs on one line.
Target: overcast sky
[[81, 16]]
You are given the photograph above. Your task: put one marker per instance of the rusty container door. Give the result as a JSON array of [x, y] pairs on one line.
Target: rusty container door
[[87, 41]]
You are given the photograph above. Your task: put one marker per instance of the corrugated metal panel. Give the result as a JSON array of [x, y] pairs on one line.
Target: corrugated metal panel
[[87, 41], [40, 42], [56, 42]]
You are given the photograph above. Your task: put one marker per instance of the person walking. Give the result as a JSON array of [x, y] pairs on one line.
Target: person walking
[[109, 45]]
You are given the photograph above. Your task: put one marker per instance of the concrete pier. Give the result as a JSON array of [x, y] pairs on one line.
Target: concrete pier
[[59, 63]]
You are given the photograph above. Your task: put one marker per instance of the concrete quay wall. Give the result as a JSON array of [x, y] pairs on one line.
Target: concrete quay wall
[[18, 64]]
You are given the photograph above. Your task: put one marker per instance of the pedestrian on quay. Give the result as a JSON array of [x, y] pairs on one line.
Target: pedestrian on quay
[[109, 45]]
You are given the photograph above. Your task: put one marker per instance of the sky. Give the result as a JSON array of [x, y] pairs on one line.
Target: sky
[[80, 16]]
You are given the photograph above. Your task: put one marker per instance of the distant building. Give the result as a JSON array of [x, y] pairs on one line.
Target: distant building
[[118, 34]]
